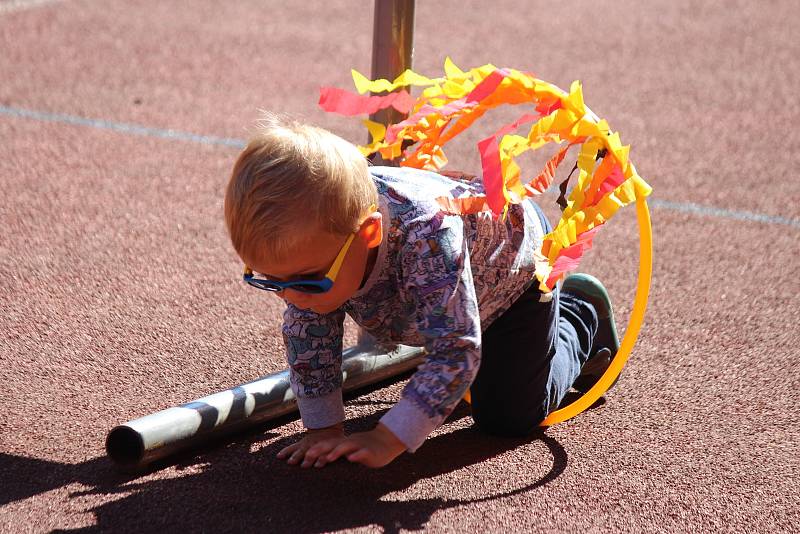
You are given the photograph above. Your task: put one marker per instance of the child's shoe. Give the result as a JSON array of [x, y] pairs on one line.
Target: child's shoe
[[606, 342]]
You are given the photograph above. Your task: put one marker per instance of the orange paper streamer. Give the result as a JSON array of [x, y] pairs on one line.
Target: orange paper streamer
[[453, 103]]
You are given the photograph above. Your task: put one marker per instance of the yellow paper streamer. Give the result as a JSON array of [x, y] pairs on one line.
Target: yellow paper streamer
[[444, 110], [606, 180]]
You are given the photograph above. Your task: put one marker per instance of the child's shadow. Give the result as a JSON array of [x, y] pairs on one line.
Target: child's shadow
[[234, 489], [242, 491]]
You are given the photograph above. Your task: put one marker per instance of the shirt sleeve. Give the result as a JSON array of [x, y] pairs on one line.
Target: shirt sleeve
[[438, 284], [314, 353]]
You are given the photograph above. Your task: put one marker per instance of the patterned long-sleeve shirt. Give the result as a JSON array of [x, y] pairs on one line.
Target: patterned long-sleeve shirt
[[439, 280]]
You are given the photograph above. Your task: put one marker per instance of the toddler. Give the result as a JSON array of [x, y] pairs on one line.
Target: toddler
[[331, 235]]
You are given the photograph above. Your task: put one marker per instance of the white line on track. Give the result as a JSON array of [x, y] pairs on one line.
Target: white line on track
[[7, 6], [135, 129]]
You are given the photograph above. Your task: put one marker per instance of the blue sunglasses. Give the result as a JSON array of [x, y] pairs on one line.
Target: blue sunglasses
[[304, 286]]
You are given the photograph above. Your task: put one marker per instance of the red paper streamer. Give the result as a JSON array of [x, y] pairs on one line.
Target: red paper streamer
[[347, 103]]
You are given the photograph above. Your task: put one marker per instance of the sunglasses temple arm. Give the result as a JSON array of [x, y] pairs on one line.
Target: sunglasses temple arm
[[337, 263]]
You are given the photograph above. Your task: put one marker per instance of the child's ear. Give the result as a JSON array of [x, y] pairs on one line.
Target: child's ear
[[371, 230]]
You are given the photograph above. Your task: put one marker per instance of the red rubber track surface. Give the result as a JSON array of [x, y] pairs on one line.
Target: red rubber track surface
[[120, 294]]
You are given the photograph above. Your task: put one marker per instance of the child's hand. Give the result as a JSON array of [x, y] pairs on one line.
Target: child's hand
[[375, 448], [314, 445]]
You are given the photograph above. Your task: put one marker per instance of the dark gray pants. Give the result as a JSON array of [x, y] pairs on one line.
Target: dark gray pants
[[531, 355]]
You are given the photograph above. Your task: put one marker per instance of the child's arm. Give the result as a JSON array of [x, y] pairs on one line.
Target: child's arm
[[314, 353], [314, 350], [440, 292], [440, 296]]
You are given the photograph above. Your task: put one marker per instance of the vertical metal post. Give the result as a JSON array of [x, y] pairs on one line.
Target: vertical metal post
[[392, 53], [392, 50]]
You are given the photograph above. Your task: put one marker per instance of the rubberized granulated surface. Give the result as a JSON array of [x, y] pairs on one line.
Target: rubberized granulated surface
[[121, 296]]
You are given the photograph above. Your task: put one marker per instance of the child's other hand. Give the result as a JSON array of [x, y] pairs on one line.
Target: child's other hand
[[311, 450], [375, 448]]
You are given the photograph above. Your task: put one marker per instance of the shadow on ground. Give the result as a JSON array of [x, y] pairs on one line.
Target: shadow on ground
[[240, 490]]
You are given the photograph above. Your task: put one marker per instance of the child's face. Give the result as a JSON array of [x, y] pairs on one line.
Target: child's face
[[313, 259]]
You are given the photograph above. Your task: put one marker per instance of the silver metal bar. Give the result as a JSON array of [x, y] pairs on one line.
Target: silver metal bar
[[137, 443], [392, 50]]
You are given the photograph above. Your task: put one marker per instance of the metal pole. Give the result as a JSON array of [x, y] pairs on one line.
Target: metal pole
[[392, 51], [137, 443]]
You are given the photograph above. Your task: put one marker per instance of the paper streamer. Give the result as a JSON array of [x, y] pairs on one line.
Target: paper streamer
[[344, 103], [448, 105], [607, 180]]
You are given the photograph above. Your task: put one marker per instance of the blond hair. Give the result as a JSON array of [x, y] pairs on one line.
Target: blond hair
[[291, 180]]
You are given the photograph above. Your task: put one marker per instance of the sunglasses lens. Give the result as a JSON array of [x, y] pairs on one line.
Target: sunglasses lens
[[265, 285], [308, 288]]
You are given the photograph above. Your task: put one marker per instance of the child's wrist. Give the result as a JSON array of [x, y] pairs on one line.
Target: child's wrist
[[333, 428], [389, 438]]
